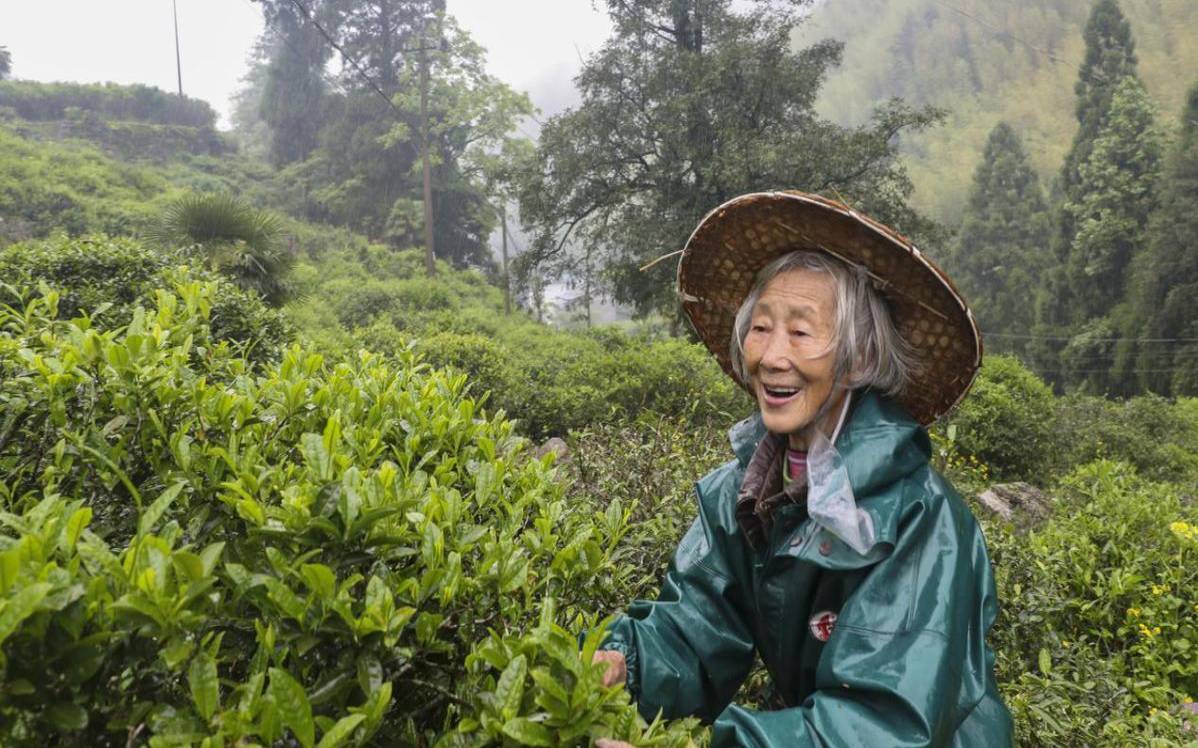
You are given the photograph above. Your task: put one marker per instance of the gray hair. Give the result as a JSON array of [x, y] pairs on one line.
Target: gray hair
[[869, 350]]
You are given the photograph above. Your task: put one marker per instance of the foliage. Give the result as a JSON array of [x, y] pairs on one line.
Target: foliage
[[1006, 422], [293, 88], [130, 141], [538, 691], [1012, 61], [551, 381], [36, 101], [72, 188], [353, 155], [1110, 59], [685, 106], [1113, 198], [5, 62], [1157, 437], [106, 279], [1003, 244], [648, 467], [192, 552], [1096, 638], [238, 240], [1166, 272]]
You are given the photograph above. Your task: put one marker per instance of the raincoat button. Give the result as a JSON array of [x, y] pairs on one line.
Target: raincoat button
[[798, 541], [825, 548]]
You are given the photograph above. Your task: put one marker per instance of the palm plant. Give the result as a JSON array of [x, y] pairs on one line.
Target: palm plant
[[236, 239]]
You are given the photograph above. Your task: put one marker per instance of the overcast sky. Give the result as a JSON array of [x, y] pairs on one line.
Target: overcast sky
[[534, 45]]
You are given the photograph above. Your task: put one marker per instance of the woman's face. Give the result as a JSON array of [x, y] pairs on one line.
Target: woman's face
[[788, 350]]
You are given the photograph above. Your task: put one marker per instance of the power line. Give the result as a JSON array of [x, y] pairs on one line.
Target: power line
[[346, 56], [1088, 340]]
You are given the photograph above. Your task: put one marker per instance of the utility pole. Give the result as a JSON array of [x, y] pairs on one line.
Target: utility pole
[[429, 257], [507, 281], [178, 61]]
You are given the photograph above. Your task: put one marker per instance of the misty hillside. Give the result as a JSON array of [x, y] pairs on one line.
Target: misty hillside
[[1013, 60]]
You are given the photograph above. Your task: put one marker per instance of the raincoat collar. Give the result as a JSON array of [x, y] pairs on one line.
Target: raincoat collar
[[880, 444]]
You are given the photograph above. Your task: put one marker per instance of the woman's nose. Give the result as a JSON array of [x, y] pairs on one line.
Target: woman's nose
[[775, 356]]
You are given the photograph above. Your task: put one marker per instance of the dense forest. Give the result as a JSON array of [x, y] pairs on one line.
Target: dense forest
[[1012, 61], [288, 455]]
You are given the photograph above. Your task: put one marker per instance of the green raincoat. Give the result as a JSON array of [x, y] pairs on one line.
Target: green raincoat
[[886, 649]]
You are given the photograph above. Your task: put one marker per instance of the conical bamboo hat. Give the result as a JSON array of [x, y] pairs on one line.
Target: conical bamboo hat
[[736, 240]]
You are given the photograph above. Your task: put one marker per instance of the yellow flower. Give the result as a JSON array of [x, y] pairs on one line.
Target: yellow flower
[[1135, 612], [1158, 589], [1148, 633], [1183, 530]]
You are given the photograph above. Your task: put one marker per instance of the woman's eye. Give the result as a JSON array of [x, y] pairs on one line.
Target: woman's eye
[[798, 333], [759, 328]]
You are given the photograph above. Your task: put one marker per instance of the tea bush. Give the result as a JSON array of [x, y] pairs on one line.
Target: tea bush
[[550, 381], [649, 468], [192, 552], [108, 277], [1097, 638], [1158, 437], [50, 101], [538, 691], [73, 188], [1006, 422]]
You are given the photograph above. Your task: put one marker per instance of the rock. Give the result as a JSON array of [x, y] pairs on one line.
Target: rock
[[555, 445], [1020, 503], [1189, 710]]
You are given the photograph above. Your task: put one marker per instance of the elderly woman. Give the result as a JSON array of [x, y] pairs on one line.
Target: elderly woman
[[829, 546]]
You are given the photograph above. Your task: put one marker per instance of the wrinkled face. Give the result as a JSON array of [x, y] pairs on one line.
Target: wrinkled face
[[789, 353]]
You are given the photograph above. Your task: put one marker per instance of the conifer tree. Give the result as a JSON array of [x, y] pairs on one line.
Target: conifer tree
[[1163, 298], [1003, 244], [1113, 200], [1110, 57], [1116, 196]]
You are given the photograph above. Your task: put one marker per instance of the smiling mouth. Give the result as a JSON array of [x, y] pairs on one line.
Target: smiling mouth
[[779, 395]]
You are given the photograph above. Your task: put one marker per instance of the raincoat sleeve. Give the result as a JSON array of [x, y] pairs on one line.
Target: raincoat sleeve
[[906, 664], [689, 651]]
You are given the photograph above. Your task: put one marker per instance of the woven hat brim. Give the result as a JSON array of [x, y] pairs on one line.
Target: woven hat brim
[[736, 240]]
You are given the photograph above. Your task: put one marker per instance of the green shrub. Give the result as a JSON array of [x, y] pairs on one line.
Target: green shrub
[[109, 277], [51, 101], [536, 690], [1097, 637], [1158, 437], [189, 551], [648, 468], [1006, 421], [73, 188], [482, 360]]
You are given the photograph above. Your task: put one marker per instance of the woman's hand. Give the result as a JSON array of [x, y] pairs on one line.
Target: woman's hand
[[617, 672]]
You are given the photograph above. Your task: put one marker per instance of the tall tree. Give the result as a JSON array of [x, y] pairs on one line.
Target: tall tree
[[1002, 247], [1110, 57], [5, 63], [365, 167], [689, 103], [1113, 200], [294, 92], [1167, 272]]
